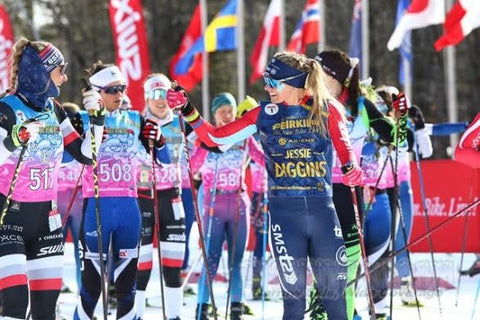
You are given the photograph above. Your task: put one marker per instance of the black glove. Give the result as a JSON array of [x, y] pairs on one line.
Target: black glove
[[416, 115]]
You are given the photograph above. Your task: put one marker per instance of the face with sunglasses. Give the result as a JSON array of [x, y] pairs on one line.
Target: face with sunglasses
[[157, 102], [280, 92], [112, 95]]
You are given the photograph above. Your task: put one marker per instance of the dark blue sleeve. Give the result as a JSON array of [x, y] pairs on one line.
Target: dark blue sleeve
[[448, 128]]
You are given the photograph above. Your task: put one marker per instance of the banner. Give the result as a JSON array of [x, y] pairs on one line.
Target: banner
[[131, 47], [6, 43], [449, 187]]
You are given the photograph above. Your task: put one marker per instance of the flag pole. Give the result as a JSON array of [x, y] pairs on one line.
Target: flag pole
[[322, 40], [451, 84], [282, 25], [365, 40], [240, 39], [205, 79]]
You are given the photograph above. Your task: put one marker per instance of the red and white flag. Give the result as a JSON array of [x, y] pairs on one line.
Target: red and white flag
[[269, 36], [460, 21], [6, 44], [131, 47], [308, 28], [420, 14]]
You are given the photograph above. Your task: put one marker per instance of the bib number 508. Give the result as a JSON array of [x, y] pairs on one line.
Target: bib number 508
[[115, 172]]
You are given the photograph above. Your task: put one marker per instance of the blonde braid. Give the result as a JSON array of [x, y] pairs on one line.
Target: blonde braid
[[15, 57]]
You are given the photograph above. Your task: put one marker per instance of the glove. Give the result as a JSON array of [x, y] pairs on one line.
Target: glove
[[24, 133], [152, 131], [177, 99], [93, 103], [424, 143], [352, 175], [416, 115], [401, 104]]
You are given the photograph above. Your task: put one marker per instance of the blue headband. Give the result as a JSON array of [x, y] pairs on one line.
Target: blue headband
[[279, 70]]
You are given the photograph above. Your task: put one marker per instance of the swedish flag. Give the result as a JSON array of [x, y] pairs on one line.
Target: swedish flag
[[219, 36]]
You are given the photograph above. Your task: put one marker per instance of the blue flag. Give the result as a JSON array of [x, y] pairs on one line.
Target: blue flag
[[219, 36], [406, 46], [355, 49]]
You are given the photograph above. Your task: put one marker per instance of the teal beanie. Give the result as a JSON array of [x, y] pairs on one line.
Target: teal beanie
[[221, 99]]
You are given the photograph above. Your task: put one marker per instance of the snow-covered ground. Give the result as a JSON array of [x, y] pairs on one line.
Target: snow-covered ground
[[447, 270]]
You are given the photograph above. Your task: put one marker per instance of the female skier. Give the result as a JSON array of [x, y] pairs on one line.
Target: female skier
[[34, 130], [223, 176], [120, 219], [171, 213], [297, 129]]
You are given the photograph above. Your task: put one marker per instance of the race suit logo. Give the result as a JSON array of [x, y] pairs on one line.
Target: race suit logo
[[285, 261], [341, 256]]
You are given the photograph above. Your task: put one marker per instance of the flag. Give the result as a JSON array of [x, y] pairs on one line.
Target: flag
[[195, 73], [6, 44], [269, 36], [460, 21], [355, 47], [131, 48], [219, 36], [420, 14], [307, 30], [406, 46]]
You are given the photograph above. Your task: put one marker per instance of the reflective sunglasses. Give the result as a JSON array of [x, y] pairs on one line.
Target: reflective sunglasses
[[277, 84], [156, 94], [114, 89]]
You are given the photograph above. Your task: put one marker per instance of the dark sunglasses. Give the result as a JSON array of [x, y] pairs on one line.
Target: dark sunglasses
[[114, 89]]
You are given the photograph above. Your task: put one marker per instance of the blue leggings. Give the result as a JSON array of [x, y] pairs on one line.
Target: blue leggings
[[302, 229], [406, 203], [222, 227], [377, 236], [121, 222], [189, 208]]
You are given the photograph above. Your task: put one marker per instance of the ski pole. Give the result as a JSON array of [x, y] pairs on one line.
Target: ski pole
[[419, 239], [364, 252], [72, 198], [264, 249], [427, 225], [197, 215], [404, 233], [157, 224], [97, 215]]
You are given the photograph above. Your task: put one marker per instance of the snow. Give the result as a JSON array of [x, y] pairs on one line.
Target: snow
[[447, 270]]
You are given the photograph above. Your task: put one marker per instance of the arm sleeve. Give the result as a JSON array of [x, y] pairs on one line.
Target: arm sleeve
[[231, 133], [447, 128], [256, 152], [382, 125], [339, 134]]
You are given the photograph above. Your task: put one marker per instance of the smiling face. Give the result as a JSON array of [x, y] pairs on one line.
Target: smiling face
[[112, 101], [225, 114], [157, 103]]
